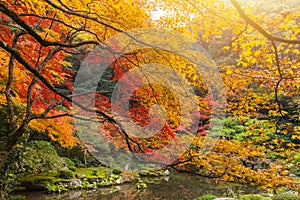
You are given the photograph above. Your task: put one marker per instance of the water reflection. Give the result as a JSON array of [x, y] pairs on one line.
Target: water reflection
[[177, 186]]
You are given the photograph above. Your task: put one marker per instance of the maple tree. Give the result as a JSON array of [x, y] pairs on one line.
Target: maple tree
[[37, 37], [258, 60], [259, 70]]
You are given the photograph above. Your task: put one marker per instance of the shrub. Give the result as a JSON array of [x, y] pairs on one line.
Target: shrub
[[34, 157], [77, 162], [73, 168], [69, 162], [81, 166], [66, 174], [92, 162], [95, 172], [116, 171]]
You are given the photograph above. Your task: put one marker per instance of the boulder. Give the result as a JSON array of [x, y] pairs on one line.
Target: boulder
[[75, 183]]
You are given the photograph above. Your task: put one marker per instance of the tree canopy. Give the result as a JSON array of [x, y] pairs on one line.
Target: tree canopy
[[44, 44]]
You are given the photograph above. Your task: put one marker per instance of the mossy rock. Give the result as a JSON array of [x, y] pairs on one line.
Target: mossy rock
[[34, 157], [37, 182]]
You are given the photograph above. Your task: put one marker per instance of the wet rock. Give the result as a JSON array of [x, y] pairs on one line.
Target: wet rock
[[75, 195], [91, 180], [75, 183], [92, 186], [99, 179]]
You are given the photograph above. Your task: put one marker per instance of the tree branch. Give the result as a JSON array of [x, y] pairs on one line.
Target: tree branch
[[259, 28], [277, 84], [14, 16]]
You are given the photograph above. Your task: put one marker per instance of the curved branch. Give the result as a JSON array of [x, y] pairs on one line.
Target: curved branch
[[14, 16], [109, 118], [259, 28], [21, 60], [278, 84]]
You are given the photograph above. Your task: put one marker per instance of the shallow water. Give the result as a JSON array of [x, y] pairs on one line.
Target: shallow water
[[176, 186]]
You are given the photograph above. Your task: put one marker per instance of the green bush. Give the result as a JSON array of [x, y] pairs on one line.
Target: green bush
[[95, 172], [234, 128], [73, 168], [66, 174], [34, 157], [77, 162], [81, 166], [286, 197], [116, 171], [69, 162], [206, 197], [75, 153], [252, 197], [92, 162]]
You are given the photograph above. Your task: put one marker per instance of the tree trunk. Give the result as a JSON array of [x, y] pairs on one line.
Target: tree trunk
[[12, 140], [3, 157]]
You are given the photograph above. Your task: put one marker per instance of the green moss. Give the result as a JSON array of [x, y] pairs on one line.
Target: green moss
[[206, 197], [286, 196], [66, 174], [90, 172], [57, 188], [252, 197], [36, 182]]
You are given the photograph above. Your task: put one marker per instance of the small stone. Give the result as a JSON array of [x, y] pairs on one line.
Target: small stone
[[80, 176], [91, 180], [75, 183], [92, 186], [166, 172], [99, 179], [119, 181], [75, 195]]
